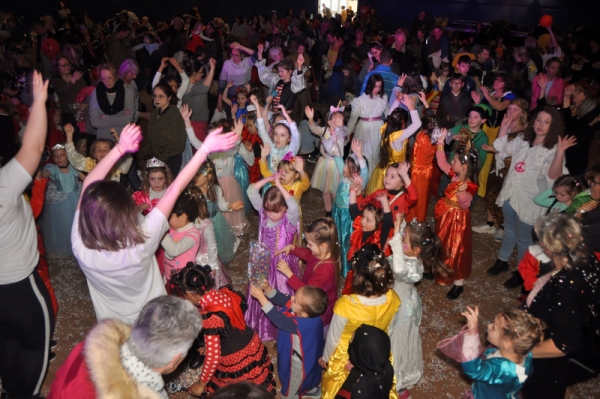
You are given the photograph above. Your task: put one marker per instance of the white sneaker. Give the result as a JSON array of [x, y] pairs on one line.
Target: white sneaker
[[498, 235], [484, 229]]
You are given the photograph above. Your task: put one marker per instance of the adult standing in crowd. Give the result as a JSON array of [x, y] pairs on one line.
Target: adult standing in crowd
[[66, 85], [26, 316], [112, 103]]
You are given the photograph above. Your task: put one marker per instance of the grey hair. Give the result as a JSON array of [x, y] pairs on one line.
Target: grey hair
[[585, 107], [274, 49], [165, 327]]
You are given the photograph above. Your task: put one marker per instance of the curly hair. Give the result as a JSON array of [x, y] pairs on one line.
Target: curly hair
[[522, 329], [561, 235], [373, 275]]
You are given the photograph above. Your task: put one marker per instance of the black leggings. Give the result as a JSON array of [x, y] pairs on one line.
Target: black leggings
[[26, 325]]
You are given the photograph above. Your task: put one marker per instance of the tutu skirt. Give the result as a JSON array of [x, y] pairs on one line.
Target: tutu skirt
[[233, 193], [326, 177]]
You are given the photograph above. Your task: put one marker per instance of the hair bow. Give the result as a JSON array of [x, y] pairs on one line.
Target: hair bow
[[289, 157], [333, 109]]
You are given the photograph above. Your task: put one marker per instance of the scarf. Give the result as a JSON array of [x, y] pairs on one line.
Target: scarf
[[226, 301], [105, 106], [141, 373], [357, 235]]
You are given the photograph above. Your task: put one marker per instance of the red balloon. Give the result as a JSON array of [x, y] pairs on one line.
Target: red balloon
[[50, 48], [546, 21]]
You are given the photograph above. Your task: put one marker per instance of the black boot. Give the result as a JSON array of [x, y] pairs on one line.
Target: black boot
[[455, 292], [514, 281], [499, 267], [327, 214], [427, 275]]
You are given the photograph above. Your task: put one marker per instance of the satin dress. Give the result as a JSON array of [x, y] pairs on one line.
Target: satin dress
[[422, 170]]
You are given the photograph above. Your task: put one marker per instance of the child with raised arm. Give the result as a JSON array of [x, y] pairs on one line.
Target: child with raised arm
[[501, 371], [279, 215], [286, 137], [285, 84], [113, 245], [299, 337]]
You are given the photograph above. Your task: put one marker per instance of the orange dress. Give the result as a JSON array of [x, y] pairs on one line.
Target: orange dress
[[422, 169], [453, 227]]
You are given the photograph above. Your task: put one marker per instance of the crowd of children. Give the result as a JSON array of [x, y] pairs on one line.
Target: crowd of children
[[340, 293]]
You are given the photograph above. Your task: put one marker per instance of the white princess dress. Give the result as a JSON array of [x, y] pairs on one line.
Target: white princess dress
[[404, 331], [371, 111]]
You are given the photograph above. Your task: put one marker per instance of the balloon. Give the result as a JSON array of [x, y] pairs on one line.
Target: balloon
[[546, 21], [50, 48]]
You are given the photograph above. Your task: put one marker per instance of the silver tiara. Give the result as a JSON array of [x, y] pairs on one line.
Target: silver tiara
[[155, 163]]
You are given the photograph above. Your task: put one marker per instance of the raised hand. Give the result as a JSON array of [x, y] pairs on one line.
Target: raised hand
[[476, 97], [423, 98], [229, 84], [163, 64], [310, 113], [299, 164], [356, 147], [442, 138], [212, 63], [398, 223], [114, 134], [408, 102], [265, 150], [485, 91], [356, 183], [403, 168], [401, 80], [131, 135], [472, 316], [565, 142], [39, 87], [76, 76], [236, 206], [69, 130], [238, 126], [569, 90], [218, 141], [186, 112], [542, 80], [285, 250]]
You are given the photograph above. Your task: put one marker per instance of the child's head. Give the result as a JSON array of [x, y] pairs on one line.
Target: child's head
[[108, 218], [456, 83], [515, 330], [309, 302], [464, 62], [372, 273], [351, 166], [566, 188], [375, 86], [336, 116], [592, 178], [157, 177], [287, 173], [429, 124], [59, 155], [206, 178], [282, 135], [285, 68], [477, 116], [200, 199], [392, 179], [100, 148], [372, 216], [421, 242], [274, 204], [185, 211], [241, 97], [465, 163], [192, 282], [251, 122], [546, 123], [321, 239]]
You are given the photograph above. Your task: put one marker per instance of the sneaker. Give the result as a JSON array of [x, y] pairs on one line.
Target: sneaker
[[313, 393], [514, 281], [484, 229], [499, 267], [498, 235]]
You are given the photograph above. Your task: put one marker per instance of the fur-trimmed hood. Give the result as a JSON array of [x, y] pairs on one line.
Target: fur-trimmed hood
[[102, 356]]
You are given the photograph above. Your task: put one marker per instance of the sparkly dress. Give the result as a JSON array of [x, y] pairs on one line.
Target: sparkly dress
[[224, 234], [208, 253], [341, 216], [404, 330], [453, 226], [62, 195], [276, 238], [367, 131]]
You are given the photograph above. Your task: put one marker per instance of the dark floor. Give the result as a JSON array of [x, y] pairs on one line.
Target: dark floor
[[441, 317]]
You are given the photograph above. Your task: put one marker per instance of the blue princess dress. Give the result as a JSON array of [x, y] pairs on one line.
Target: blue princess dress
[[226, 239], [240, 172], [62, 195], [341, 214]]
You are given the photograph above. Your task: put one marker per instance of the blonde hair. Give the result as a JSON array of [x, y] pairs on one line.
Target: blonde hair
[[561, 235], [522, 329]]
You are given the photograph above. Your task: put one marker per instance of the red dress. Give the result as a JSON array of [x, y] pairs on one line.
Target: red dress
[[254, 170], [422, 170], [453, 225]]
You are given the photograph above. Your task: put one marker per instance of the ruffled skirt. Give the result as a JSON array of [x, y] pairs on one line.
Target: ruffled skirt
[[233, 193], [225, 238], [326, 177]]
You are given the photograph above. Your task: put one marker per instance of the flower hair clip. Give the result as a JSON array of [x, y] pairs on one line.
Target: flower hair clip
[[289, 157]]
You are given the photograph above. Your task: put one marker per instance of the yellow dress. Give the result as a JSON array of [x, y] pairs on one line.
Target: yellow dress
[[482, 177], [376, 181], [350, 307]]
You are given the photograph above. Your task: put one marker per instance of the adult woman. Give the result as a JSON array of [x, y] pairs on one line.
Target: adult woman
[[513, 124], [370, 108], [537, 160], [498, 99], [237, 69], [197, 96], [112, 104], [566, 299], [554, 87], [166, 129], [580, 112], [67, 85], [359, 49]]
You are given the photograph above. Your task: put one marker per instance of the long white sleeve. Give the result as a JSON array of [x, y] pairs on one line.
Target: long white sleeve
[[409, 131], [191, 135], [336, 328]]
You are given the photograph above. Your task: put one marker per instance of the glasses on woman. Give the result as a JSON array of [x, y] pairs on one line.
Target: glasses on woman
[[159, 96]]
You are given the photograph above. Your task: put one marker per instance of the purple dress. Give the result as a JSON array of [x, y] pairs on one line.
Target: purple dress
[[275, 238]]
